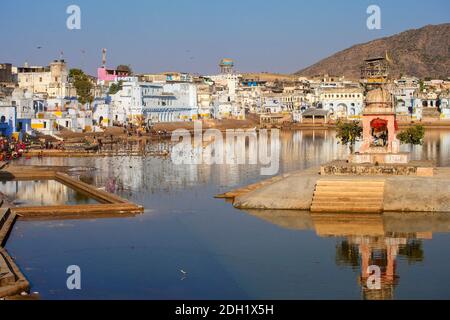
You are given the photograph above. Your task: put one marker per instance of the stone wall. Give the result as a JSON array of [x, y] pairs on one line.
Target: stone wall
[[344, 168]]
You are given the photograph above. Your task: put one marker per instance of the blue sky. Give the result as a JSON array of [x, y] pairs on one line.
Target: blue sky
[[193, 35]]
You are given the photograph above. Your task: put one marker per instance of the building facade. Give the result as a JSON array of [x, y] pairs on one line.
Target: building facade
[[50, 82], [342, 102]]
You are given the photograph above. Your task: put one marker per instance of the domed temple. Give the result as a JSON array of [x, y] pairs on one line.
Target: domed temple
[[380, 144]]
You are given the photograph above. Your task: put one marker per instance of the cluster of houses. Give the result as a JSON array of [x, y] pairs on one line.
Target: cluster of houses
[[44, 99]]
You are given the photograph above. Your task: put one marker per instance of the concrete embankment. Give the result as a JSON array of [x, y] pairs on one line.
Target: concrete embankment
[[291, 192], [308, 190], [7, 219], [12, 281]]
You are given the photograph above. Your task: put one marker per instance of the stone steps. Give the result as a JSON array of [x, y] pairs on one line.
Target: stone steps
[[345, 201], [345, 197], [363, 196]]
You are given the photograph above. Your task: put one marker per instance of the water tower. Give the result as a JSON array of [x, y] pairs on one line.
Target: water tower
[[226, 66]]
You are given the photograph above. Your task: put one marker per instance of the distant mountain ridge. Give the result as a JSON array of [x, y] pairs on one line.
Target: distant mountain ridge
[[423, 52]]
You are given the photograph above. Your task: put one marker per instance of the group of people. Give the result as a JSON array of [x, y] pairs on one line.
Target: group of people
[[11, 149]]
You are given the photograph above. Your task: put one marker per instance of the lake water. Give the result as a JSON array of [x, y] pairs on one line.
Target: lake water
[[228, 253]]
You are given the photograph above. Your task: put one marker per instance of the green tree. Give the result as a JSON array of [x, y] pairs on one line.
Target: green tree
[[115, 87], [413, 135], [348, 133], [421, 85], [82, 84]]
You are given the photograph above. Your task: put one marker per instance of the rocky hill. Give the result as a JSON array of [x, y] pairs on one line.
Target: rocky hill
[[423, 52]]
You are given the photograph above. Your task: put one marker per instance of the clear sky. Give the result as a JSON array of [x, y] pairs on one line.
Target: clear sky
[[193, 35]]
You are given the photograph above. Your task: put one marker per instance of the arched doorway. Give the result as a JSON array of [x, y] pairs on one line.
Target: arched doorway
[[341, 110], [379, 131]]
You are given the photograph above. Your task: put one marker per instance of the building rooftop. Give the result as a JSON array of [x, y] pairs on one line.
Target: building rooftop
[[315, 112]]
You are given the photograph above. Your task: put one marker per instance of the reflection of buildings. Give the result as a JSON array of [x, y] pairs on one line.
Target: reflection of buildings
[[43, 192], [310, 148], [436, 147], [369, 240]]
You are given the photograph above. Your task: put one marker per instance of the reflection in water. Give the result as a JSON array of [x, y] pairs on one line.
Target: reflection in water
[[436, 147], [369, 240], [382, 252], [298, 150], [230, 254], [42, 193]]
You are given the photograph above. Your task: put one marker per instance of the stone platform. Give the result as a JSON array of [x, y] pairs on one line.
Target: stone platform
[[350, 193]]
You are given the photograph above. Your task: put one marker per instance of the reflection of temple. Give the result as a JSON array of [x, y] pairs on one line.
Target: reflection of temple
[[368, 240], [383, 253]]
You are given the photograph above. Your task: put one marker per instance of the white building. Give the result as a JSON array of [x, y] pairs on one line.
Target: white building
[[273, 105], [342, 102], [102, 115], [230, 84], [72, 119], [142, 102], [24, 103], [405, 92], [444, 105]]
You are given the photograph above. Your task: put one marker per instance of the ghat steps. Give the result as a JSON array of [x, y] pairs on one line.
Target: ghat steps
[[350, 196]]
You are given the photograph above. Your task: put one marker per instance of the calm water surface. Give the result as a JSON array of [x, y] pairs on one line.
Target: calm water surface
[[228, 253], [43, 193]]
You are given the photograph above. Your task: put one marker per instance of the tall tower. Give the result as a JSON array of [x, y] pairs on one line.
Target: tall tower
[[226, 66], [103, 58], [375, 72]]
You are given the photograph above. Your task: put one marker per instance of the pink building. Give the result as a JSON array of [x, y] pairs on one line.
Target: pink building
[[109, 75]]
